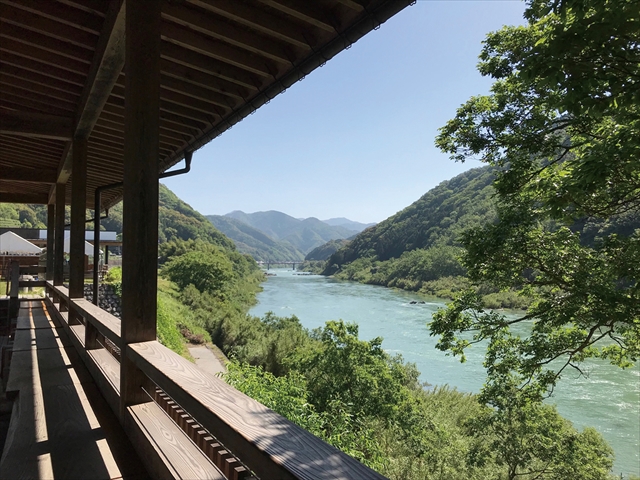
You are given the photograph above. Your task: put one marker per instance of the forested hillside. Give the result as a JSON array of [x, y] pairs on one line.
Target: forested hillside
[[418, 248], [436, 219], [254, 242], [305, 234], [323, 252]]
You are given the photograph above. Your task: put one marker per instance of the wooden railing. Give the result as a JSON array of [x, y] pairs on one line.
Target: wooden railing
[[194, 425]]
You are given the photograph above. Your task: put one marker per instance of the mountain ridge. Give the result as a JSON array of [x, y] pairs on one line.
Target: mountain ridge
[[304, 235]]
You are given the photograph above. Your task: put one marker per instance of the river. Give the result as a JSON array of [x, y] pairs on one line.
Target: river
[[609, 399]]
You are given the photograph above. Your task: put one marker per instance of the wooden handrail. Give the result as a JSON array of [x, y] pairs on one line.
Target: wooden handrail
[[31, 269], [61, 291], [108, 325], [266, 442], [271, 445], [31, 283]]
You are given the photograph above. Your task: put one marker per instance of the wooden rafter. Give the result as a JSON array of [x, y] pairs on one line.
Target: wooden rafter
[[38, 198], [36, 125], [31, 175]]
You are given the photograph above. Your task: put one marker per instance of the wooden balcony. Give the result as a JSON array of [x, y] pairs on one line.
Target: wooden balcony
[[90, 116], [68, 421]]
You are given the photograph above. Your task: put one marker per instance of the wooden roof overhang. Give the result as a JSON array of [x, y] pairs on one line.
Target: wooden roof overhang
[[62, 76]]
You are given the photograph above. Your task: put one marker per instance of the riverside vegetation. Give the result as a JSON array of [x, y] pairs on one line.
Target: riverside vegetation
[[346, 390], [343, 389]]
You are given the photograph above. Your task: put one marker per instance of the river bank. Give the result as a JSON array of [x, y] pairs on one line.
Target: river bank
[[608, 399]]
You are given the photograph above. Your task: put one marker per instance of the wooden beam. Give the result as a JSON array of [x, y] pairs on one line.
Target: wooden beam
[[117, 108], [47, 58], [352, 4], [240, 37], [36, 101], [46, 26], [34, 66], [218, 50], [208, 65], [58, 242], [260, 20], [38, 88], [16, 146], [305, 11], [104, 71], [40, 78], [190, 76], [188, 106], [78, 215], [61, 14], [32, 175], [45, 42], [36, 125], [51, 222], [141, 190], [11, 197]]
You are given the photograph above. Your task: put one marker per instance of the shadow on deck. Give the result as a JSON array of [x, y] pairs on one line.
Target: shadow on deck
[[61, 426]]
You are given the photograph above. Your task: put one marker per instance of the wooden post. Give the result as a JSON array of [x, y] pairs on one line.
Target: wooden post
[[14, 301], [78, 215], [96, 248], [140, 215], [58, 256], [51, 220]]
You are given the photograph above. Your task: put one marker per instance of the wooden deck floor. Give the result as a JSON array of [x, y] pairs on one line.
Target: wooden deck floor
[[61, 427]]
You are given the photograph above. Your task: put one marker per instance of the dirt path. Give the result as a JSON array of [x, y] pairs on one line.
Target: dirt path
[[207, 360]]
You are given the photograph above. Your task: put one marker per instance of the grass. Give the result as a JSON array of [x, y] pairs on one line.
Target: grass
[[177, 326]]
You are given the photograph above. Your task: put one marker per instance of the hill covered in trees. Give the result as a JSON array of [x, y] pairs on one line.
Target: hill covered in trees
[[418, 248], [323, 252], [254, 242]]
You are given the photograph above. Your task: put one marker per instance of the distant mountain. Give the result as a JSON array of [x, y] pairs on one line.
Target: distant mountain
[[254, 242], [305, 234], [348, 224], [325, 251]]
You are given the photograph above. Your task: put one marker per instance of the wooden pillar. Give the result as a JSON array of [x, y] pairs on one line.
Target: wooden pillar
[[58, 245], [78, 216], [140, 215], [51, 220], [14, 278], [96, 248]]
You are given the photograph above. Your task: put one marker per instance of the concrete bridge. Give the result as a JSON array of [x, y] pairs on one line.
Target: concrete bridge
[[268, 263]]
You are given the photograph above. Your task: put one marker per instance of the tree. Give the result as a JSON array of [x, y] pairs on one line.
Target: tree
[[562, 128], [206, 271]]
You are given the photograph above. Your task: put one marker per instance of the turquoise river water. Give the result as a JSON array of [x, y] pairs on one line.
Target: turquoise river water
[[608, 399]]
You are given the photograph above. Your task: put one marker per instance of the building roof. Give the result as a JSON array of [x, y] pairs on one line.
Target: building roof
[[62, 75], [16, 245]]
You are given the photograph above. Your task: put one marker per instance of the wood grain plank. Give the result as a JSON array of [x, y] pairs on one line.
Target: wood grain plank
[[173, 452], [37, 321], [57, 433], [52, 367], [107, 324], [40, 339], [268, 443]]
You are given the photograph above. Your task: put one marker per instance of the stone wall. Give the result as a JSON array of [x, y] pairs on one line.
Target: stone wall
[[108, 300]]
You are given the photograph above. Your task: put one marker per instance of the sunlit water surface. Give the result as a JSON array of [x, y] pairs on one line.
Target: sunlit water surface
[[609, 399]]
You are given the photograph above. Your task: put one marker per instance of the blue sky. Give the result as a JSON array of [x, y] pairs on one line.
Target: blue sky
[[355, 138]]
